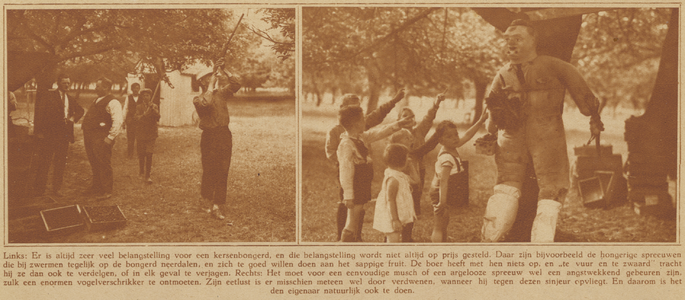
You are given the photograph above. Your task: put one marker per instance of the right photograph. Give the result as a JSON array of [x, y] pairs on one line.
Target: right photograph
[[469, 125]]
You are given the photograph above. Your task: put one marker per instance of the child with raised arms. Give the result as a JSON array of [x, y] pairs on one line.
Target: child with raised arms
[[356, 168], [415, 138], [333, 137], [448, 169]]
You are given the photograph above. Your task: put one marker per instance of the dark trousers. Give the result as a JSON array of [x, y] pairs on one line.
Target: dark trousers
[[145, 163], [52, 151], [130, 138], [100, 158], [145, 150], [216, 146]]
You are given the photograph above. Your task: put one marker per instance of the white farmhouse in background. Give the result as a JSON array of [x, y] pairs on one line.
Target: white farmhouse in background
[[176, 101]]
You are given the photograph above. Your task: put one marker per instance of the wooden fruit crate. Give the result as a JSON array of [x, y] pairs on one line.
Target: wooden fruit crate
[[655, 205], [100, 218], [592, 192], [66, 219]]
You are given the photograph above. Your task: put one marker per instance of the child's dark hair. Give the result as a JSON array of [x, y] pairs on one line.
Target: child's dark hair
[[435, 138], [349, 115], [395, 155], [396, 137], [349, 99]]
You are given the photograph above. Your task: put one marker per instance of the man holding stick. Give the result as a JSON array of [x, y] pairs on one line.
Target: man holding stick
[[526, 102], [217, 141]]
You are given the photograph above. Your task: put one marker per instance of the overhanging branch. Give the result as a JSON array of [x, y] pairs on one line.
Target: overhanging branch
[[390, 35]]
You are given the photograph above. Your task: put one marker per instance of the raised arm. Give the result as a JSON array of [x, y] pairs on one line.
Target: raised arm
[[375, 134], [427, 121], [468, 135], [377, 115]]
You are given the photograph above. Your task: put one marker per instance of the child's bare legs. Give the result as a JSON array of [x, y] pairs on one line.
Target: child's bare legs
[[354, 215], [440, 221], [341, 219], [393, 237]]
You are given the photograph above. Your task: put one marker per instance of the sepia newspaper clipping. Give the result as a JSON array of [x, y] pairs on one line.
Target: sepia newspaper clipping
[[160, 236]]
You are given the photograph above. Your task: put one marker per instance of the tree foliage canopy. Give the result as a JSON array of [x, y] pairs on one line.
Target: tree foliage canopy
[[618, 52], [426, 49], [368, 49], [282, 19], [116, 41]]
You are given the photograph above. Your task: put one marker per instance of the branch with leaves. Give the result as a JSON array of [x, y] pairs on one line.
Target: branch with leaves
[[283, 48]]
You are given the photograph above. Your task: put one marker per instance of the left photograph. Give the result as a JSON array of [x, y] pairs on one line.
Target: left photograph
[[150, 125]]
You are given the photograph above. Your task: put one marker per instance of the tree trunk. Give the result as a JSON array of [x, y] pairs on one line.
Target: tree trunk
[[79, 90], [318, 94], [374, 87], [654, 135]]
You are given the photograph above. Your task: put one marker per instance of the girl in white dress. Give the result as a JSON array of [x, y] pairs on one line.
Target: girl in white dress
[[394, 204]]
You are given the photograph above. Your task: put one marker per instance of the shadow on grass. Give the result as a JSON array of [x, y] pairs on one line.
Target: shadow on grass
[[261, 190]]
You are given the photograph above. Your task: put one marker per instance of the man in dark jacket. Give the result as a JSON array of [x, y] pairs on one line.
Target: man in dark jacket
[[55, 115], [101, 125]]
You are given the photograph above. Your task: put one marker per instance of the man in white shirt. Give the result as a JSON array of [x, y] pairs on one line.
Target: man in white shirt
[[101, 125], [55, 115]]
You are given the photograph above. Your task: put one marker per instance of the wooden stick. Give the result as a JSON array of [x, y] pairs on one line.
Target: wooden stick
[[224, 50]]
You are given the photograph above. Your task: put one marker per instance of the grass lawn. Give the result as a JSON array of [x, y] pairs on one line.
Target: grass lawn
[[576, 223], [261, 190]]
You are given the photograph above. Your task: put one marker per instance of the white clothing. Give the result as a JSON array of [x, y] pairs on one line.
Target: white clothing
[[445, 159], [382, 217], [114, 110], [348, 156]]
